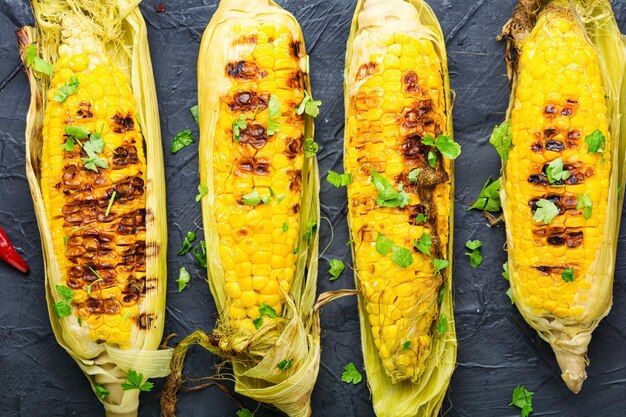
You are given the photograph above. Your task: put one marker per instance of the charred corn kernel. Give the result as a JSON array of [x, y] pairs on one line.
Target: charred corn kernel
[[77, 198], [390, 90]]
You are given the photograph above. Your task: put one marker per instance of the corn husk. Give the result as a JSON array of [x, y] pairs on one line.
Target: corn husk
[[424, 397], [570, 338], [296, 334], [121, 28]]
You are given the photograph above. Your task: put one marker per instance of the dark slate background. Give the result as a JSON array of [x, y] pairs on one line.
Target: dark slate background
[[497, 350]]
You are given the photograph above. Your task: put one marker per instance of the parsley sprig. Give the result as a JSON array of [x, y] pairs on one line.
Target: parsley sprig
[[444, 144], [64, 307], [335, 269], [66, 90], [489, 197], [387, 196], [36, 63], [309, 106], [399, 255], [351, 375], [502, 140], [135, 382]]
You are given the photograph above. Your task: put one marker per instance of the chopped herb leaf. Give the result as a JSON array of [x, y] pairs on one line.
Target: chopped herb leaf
[[310, 147], [445, 144], [440, 264], [135, 382], [200, 255], [238, 126], [108, 210], [442, 326], [296, 251], [420, 218], [279, 198], [182, 140], [401, 256], [273, 125], [546, 211], [285, 227], [68, 146], [101, 392], [406, 345], [384, 245], [38, 64], [413, 175], [442, 292], [351, 375], [77, 132], [489, 197], [338, 180], [387, 197], [244, 412], [186, 247], [127, 315], [309, 106], [63, 308], [311, 228], [266, 200], [432, 159], [66, 90], [265, 310], [475, 257], [183, 279], [424, 244], [195, 112], [522, 399], [258, 322], [595, 142], [501, 140], [251, 199], [509, 294], [284, 364], [568, 275], [336, 268], [202, 191], [555, 171], [505, 272], [585, 203]]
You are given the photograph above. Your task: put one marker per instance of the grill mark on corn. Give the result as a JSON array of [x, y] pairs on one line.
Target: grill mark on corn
[[84, 110], [244, 70], [254, 135], [246, 101], [122, 122], [366, 70]]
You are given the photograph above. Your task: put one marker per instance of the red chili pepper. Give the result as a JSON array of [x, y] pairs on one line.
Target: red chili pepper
[[9, 255]]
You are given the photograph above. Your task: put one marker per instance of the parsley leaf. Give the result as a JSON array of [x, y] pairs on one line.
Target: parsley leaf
[[311, 228], [101, 392], [191, 236], [501, 140], [384, 245], [202, 191], [182, 140], [135, 382], [351, 375], [406, 345], [66, 90], [238, 126], [77, 132], [509, 294], [244, 412], [555, 171], [475, 257], [195, 112], [505, 274], [546, 211], [285, 227], [401, 256], [387, 197], [522, 399], [432, 159], [251, 199], [265, 310], [424, 244], [440, 264], [584, 201], [568, 275], [200, 255], [68, 146], [93, 147], [284, 364], [442, 326], [338, 180], [413, 175], [258, 322], [273, 125], [595, 142], [183, 279], [309, 106], [445, 144], [38, 64], [336, 268], [63, 308], [420, 218], [489, 197], [310, 147]]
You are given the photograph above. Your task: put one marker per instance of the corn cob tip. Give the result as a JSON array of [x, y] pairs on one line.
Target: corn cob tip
[[573, 369]]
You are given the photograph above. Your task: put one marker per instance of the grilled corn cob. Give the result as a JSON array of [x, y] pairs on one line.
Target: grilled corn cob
[[561, 172], [397, 98], [261, 210], [99, 217]]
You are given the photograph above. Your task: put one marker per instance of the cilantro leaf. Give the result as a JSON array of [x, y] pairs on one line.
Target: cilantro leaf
[[442, 291], [38, 64], [200, 255], [309, 106], [265, 310], [440, 264], [202, 191], [473, 244], [446, 146], [191, 236], [432, 159], [66, 90], [336, 268], [442, 326], [195, 112], [273, 125], [413, 175], [387, 197], [424, 244], [285, 227], [135, 382], [183, 279], [509, 294], [501, 140], [401, 256], [555, 171], [284, 364], [244, 412], [68, 146], [311, 228], [546, 211], [258, 322], [351, 375], [77, 132], [489, 197], [338, 180], [505, 272], [310, 147], [475, 256], [522, 399], [596, 142], [238, 126], [181, 141], [420, 218], [406, 345], [63, 308], [251, 199], [568, 275], [384, 245], [101, 392], [585, 203]]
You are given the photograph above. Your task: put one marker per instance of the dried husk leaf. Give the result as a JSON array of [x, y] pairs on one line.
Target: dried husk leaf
[[424, 397], [295, 335], [121, 28], [570, 338]]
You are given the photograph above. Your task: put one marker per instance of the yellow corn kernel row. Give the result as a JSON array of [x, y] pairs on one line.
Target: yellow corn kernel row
[[101, 256], [258, 243], [559, 101], [396, 99]]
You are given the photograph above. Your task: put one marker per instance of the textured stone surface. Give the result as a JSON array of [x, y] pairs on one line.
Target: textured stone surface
[[497, 350]]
